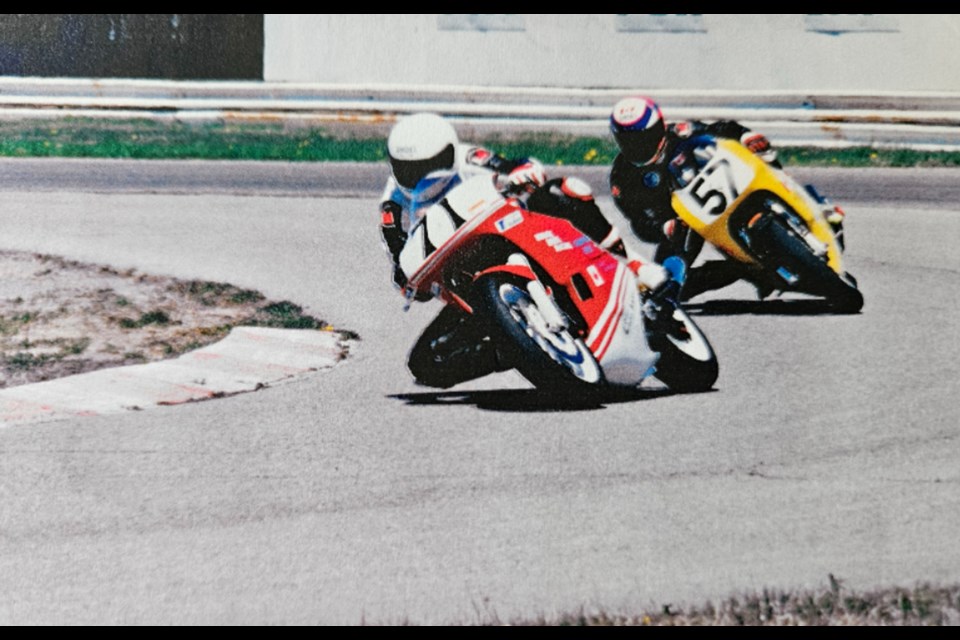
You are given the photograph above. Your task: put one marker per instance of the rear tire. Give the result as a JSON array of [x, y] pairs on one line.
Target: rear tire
[[553, 361], [451, 350], [687, 364]]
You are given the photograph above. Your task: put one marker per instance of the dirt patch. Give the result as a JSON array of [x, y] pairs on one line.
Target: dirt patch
[[61, 317]]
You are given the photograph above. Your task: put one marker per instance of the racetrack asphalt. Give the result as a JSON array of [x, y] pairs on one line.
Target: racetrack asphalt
[[352, 496]]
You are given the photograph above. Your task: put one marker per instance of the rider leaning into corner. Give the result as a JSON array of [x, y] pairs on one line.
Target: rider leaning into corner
[[425, 153], [641, 185]]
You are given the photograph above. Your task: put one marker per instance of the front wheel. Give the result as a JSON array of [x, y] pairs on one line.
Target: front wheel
[[687, 362], [552, 359], [811, 273]]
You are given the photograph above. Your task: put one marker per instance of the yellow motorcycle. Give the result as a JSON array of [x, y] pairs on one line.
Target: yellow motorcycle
[[758, 216]]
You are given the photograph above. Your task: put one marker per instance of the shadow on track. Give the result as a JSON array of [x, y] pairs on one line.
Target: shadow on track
[[528, 400], [775, 307]]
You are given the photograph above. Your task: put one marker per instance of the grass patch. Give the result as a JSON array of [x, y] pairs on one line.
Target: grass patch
[[27, 360], [868, 157], [923, 605], [284, 315], [156, 317], [92, 138], [555, 148], [11, 325], [147, 139], [24, 360], [216, 293], [75, 347]]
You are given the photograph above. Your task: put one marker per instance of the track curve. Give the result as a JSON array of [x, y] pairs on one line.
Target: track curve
[[830, 444]]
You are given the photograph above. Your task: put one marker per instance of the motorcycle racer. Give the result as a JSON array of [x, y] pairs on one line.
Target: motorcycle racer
[[427, 160], [641, 185]]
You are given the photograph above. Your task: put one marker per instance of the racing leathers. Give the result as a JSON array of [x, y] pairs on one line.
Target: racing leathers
[[568, 198]]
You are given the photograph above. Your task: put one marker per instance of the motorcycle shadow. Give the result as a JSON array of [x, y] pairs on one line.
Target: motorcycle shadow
[[529, 400], [777, 307]]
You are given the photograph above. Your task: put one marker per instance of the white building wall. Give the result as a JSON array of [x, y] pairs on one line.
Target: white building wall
[[851, 52]]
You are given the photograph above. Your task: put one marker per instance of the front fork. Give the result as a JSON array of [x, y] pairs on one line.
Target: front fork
[[833, 213], [554, 317]]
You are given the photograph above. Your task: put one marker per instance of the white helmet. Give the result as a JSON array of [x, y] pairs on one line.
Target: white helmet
[[419, 145]]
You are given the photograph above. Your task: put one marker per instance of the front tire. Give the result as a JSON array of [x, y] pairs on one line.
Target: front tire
[[813, 274], [555, 361]]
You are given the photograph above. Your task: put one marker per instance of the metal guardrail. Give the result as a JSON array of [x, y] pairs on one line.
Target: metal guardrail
[[917, 120]]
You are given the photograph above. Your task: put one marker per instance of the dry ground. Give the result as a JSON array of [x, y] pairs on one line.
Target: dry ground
[[59, 317]]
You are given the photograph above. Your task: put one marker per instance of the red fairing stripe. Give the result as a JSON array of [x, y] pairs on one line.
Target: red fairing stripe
[[515, 269], [601, 336]]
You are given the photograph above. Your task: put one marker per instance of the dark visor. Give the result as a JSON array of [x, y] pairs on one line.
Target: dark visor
[[409, 172]]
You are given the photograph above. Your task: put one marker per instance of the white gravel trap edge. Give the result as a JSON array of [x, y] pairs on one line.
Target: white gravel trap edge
[[248, 359]]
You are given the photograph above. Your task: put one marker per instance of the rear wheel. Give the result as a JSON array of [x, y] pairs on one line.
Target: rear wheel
[[452, 349], [552, 359]]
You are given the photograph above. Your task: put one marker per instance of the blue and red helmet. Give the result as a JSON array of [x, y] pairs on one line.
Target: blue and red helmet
[[638, 128]]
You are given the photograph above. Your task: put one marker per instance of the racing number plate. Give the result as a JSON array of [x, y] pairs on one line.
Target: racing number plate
[[717, 186]]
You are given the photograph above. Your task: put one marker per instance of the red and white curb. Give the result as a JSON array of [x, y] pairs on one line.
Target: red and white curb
[[248, 359]]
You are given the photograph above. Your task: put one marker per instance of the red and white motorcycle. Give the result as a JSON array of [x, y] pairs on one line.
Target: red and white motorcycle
[[565, 313]]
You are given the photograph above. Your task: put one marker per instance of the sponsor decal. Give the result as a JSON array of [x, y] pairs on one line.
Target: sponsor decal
[[635, 113], [683, 129], [627, 113], [553, 240], [595, 275], [615, 191], [651, 179], [585, 244], [509, 221], [387, 219]]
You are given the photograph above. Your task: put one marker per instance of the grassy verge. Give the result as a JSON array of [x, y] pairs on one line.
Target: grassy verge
[[94, 138], [922, 605]]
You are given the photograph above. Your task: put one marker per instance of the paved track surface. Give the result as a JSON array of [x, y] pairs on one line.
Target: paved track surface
[[830, 444]]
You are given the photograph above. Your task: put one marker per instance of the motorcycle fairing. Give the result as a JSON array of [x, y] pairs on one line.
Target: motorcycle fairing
[[727, 175], [611, 304]]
